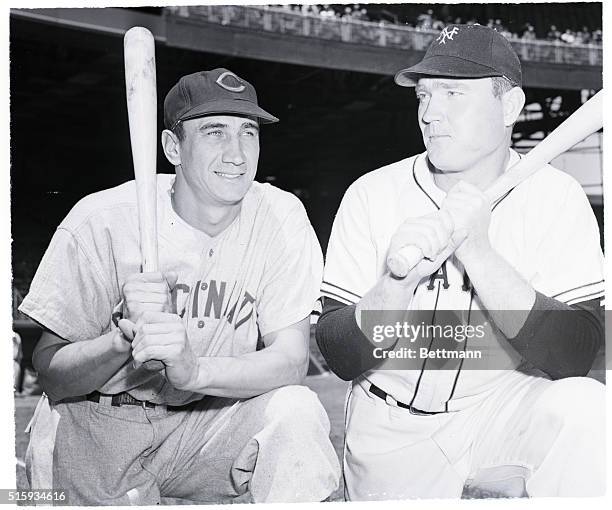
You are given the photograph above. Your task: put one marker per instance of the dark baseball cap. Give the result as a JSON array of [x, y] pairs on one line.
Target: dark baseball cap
[[465, 51], [212, 92]]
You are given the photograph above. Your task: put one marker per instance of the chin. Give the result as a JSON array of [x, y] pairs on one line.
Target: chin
[[444, 162]]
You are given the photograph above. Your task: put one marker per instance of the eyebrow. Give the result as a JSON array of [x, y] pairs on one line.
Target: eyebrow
[[213, 125], [221, 125], [442, 85]]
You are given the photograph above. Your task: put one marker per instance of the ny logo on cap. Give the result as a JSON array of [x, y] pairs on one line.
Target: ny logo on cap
[[232, 88], [447, 34]]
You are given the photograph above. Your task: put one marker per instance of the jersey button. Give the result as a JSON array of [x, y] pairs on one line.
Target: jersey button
[[211, 252], [200, 324]]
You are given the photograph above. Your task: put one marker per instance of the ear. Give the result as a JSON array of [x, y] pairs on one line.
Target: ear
[[170, 144], [513, 102]]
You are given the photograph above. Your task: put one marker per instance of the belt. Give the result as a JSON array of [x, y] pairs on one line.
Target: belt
[[375, 390], [125, 399]]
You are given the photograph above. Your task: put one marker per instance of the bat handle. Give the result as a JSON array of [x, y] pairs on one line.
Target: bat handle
[[402, 262]]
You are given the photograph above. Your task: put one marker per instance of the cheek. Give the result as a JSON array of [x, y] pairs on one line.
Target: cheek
[[477, 130]]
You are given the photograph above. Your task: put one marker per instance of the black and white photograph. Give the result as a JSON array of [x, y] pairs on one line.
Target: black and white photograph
[[305, 253]]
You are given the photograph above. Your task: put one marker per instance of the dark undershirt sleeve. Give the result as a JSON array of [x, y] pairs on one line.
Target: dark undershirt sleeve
[[559, 339], [347, 351], [562, 340]]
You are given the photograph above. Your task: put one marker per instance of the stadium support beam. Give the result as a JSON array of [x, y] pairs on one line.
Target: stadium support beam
[[106, 20]]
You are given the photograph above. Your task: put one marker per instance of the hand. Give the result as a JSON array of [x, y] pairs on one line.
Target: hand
[[150, 292], [471, 212], [432, 234], [161, 336]]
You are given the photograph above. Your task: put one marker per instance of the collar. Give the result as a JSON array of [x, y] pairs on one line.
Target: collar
[[425, 181]]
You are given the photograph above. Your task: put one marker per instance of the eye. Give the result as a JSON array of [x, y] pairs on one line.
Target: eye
[[214, 132], [250, 133], [421, 96], [453, 93]]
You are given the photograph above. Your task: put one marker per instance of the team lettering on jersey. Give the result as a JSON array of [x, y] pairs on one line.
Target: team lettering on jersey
[[213, 299], [441, 274], [210, 300]]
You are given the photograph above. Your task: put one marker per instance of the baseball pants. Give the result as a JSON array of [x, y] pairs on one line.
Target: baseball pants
[[270, 448], [529, 436]]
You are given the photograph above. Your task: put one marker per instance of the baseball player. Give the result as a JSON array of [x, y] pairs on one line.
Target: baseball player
[[223, 420], [532, 264]]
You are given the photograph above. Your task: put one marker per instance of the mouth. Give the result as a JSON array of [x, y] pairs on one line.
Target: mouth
[[229, 176]]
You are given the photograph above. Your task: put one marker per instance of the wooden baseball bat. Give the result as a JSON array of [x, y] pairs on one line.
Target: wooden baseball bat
[[141, 93], [584, 121]]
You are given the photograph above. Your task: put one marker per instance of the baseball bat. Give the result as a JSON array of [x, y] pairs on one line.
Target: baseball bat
[[584, 121], [141, 94]]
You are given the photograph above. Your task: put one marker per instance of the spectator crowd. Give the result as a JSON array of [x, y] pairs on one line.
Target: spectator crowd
[[429, 21]]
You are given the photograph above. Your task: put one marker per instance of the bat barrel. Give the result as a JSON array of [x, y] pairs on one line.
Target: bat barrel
[[141, 95]]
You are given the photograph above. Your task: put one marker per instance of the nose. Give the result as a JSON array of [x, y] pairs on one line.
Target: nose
[[431, 110], [232, 151]]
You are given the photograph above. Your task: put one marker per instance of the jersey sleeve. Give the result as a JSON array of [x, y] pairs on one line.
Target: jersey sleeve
[[350, 262], [67, 295], [569, 260], [293, 274]]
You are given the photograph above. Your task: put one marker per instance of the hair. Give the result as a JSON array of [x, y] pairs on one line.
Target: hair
[[179, 131], [501, 85]]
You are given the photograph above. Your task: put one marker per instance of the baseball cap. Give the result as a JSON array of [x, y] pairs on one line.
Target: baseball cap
[[212, 92], [465, 51]]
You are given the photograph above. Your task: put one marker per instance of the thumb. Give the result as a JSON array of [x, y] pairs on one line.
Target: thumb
[[128, 328], [171, 279]]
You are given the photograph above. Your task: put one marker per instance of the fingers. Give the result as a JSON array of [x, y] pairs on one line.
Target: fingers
[[128, 328], [430, 234], [159, 336], [144, 292]]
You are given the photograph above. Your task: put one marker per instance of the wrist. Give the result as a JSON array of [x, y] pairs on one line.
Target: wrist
[[474, 252], [199, 379]]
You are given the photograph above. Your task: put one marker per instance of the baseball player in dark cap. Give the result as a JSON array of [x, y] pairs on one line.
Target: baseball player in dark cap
[[529, 273], [239, 261]]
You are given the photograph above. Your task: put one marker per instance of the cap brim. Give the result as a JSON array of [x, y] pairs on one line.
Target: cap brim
[[443, 66], [231, 107]]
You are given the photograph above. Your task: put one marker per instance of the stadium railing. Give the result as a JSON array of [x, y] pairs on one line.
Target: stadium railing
[[284, 21]]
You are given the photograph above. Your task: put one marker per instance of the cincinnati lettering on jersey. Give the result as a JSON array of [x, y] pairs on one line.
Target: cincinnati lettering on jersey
[[213, 299]]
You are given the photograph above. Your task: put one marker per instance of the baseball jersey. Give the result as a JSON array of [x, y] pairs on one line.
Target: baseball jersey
[[261, 274], [544, 228]]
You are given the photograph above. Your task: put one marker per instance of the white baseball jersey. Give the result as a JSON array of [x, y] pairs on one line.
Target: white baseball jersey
[[261, 274], [544, 228]]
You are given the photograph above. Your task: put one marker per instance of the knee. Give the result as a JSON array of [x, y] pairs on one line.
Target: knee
[[578, 402], [297, 405]]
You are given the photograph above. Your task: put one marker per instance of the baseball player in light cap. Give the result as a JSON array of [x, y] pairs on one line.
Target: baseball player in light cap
[[239, 261], [532, 267]]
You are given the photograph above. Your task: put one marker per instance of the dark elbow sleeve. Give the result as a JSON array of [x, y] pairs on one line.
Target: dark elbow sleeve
[[346, 349], [560, 339]]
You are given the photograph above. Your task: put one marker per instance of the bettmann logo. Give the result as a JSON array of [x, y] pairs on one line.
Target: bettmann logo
[[447, 34]]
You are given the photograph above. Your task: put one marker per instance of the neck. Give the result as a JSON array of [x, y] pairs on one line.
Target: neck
[[212, 219], [482, 174]]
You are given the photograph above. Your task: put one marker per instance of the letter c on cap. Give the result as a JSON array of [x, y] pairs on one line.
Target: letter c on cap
[[220, 79]]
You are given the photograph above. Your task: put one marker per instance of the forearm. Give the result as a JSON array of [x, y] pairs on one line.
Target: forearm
[[500, 288], [248, 375], [388, 294], [78, 368]]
